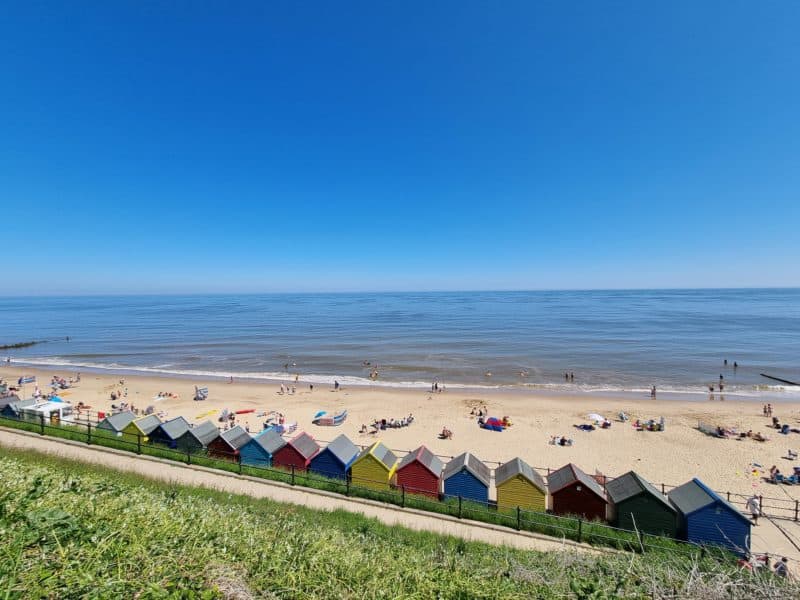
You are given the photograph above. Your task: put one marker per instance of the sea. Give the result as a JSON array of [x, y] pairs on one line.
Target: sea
[[612, 342]]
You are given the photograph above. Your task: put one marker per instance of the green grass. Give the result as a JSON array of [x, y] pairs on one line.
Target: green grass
[[70, 530], [595, 533]]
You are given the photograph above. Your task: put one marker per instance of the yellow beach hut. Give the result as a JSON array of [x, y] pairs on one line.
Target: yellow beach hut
[[140, 429], [519, 485], [374, 467]]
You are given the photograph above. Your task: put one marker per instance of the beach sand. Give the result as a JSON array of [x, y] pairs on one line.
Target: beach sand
[[671, 457]]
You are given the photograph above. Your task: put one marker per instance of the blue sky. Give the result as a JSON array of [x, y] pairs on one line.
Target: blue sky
[[386, 146]]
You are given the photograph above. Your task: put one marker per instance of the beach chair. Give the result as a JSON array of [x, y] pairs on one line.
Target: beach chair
[[200, 393]]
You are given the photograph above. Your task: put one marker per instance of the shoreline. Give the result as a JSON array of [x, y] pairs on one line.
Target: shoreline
[[776, 393]]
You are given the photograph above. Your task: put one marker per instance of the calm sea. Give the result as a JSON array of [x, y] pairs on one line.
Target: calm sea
[[613, 341]]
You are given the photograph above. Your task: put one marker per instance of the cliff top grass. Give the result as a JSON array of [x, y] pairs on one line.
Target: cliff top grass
[[71, 530]]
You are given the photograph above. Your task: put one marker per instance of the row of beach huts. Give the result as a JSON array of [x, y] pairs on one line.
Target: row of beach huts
[[691, 512]]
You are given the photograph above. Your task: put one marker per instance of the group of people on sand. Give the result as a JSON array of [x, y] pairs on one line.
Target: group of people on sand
[[479, 412], [286, 389], [384, 424], [767, 410], [446, 434]]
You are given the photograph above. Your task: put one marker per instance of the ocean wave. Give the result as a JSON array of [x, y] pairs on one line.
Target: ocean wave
[[167, 369], [281, 377]]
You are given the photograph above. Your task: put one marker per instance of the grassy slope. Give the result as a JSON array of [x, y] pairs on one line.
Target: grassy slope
[[72, 530]]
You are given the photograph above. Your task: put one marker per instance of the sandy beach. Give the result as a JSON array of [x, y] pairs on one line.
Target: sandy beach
[[671, 457]]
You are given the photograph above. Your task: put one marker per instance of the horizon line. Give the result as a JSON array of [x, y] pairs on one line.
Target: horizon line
[[387, 292]]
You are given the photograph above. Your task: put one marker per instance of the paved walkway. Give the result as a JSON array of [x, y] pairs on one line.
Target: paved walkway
[[238, 484], [766, 538]]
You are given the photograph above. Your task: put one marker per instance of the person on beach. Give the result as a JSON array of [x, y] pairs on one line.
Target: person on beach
[[735, 365], [231, 380], [653, 392], [310, 387], [336, 386], [754, 506]]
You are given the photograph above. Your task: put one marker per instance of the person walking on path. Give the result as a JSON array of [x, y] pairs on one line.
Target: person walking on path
[[754, 506]]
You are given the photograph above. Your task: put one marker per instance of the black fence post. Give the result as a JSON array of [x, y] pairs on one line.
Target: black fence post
[[292, 474], [459, 507], [239, 460], [138, 443], [403, 496], [41, 423], [580, 530], [519, 518], [729, 496], [188, 454], [796, 508], [88, 433], [662, 490], [346, 486]]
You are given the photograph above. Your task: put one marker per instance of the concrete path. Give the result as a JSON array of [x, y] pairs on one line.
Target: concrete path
[[162, 470]]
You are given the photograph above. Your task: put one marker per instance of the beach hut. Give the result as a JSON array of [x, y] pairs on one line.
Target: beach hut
[[140, 429], [11, 406], [705, 518], [334, 461], [573, 492], [116, 424], [229, 443], [467, 477], [198, 437], [637, 505], [420, 472], [51, 411], [169, 432], [374, 467], [296, 453], [259, 450], [518, 485]]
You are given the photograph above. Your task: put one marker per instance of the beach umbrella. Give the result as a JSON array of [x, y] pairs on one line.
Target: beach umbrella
[[595, 417]]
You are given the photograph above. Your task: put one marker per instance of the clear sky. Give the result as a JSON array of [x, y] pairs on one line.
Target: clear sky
[[292, 146]]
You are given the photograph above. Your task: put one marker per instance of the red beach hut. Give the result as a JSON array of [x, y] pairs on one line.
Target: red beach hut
[[419, 473], [297, 453], [573, 492]]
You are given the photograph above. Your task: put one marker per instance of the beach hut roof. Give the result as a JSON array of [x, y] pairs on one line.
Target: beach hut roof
[[305, 445], [426, 458], [343, 449], [205, 432], [384, 456], [569, 474], [632, 484], [270, 440], [147, 424], [175, 428], [517, 466], [120, 420], [695, 495], [471, 463], [6, 400], [236, 437]]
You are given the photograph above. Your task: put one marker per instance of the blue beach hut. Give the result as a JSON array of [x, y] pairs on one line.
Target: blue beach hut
[[170, 432], [705, 518], [335, 460], [259, 450], [467, 477]]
